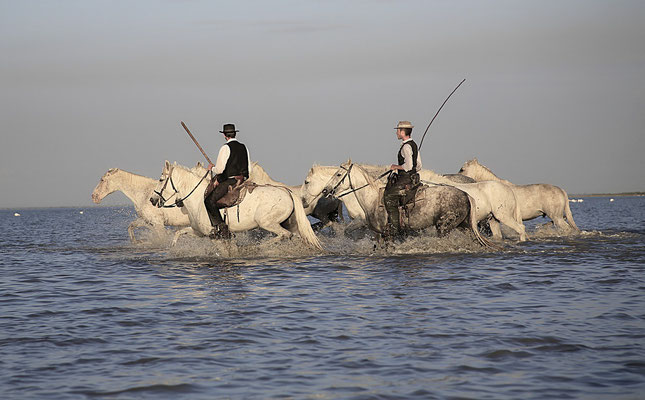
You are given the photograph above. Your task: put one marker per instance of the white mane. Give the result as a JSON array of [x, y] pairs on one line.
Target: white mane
[[480, 172]]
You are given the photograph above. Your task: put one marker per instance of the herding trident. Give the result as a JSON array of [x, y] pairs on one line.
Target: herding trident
[[195, 140], [435, 116]]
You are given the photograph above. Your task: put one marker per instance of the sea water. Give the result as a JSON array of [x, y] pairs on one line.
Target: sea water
[[86, 314]]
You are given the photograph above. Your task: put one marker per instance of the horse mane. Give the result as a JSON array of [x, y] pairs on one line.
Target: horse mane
[[130, 175], [483, 172], [259, 175]]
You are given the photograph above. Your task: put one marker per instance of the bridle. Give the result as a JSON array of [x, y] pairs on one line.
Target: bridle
[[178, 202], [332, 192]]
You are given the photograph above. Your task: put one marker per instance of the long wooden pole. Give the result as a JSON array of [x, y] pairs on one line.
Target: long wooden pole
[[435, 116], [195, 140]]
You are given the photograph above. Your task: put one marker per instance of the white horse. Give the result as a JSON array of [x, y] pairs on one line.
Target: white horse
[[493, 201], [138, 189], [265, 207], [323, 210], [535, 200], [376, 172], [443, 207]]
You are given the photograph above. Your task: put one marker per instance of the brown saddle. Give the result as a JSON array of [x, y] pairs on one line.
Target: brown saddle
[[409, 198], [236, 194]]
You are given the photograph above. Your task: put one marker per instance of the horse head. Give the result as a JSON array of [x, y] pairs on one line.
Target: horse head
[[468, 167], [105, 186], [320, 182], [158, 198]]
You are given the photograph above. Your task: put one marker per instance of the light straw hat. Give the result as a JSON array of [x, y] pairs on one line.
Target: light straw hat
[[404, 125]]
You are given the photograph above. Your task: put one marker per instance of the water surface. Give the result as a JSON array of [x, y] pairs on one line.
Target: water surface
[[86, 314]]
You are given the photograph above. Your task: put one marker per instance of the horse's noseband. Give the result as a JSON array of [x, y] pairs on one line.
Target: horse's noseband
[[332, 192], [160, 193]]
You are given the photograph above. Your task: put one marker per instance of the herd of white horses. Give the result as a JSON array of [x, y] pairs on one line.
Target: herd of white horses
[[445, 202]]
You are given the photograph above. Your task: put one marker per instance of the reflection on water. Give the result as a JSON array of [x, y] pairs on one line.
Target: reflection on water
[[84, 313]]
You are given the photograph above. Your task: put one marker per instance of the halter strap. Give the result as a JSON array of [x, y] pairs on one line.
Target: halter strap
[[352, 189], [178, 202]]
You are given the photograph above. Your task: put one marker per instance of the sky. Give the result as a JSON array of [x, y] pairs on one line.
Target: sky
[[554, 91]]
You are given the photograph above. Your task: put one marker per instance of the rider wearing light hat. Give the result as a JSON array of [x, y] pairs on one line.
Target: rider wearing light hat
[[232, 166], [405, 176]]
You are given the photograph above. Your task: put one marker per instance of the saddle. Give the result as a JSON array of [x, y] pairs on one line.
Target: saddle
[[408, 199], [236, 194]]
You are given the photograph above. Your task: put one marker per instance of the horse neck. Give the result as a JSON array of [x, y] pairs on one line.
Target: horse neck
[[183, 180], [260, 176], [135, 187], [367, 196], [485, 174]]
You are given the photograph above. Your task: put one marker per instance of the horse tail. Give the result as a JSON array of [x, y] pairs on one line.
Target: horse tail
[[304, 226], [473, 224], [567, 211]]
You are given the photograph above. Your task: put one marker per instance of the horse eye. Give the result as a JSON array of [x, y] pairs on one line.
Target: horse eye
[[306, 182], [338, 174]]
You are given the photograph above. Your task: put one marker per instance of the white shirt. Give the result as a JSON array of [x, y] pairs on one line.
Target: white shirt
[[406, 151], [222, 158]]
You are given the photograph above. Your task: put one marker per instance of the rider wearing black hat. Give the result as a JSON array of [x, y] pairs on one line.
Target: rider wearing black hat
[[232, 166]]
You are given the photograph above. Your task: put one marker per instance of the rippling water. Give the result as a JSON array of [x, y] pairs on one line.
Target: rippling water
[[85, 314]]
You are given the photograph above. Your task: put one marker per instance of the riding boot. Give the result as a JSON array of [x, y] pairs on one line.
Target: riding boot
[[220, 231]]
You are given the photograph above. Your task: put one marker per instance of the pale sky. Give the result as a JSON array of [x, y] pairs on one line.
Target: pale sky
[[554, 91]]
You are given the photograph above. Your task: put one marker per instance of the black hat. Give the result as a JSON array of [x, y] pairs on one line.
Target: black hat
[[228, 128]]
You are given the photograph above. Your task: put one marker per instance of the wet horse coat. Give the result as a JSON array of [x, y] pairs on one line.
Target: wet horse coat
[[443, 207], [138, 189], [535, 200], [266, 207]]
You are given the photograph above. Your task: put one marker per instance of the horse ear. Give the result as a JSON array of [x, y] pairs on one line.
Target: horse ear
[[166, 165]]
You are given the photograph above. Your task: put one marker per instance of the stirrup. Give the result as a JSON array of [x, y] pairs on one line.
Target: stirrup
[[220, 231]]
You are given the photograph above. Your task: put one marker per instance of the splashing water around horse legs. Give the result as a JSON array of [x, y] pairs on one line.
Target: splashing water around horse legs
[[534, 200], [442, 207], [138, 189], [265, 207]]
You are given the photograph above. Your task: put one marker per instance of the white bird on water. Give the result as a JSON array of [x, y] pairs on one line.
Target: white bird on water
[[16, 214]]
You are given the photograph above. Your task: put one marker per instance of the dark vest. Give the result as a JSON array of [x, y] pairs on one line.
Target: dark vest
[[238, 162], [415, 155]]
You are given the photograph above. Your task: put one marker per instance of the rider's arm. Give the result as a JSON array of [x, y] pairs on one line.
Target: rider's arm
[[222, 158]]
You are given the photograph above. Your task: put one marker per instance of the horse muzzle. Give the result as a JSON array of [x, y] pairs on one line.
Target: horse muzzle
[[156, 202], [328, 193]]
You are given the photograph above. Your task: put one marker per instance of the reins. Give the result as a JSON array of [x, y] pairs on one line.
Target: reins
[[178, 202], [351, 186]]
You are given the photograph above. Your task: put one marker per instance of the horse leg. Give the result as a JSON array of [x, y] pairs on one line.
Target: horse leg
[[184, 231], [495, 229], [446, 222], [278, 230], [509, 221], [560, 223], [137, 223]]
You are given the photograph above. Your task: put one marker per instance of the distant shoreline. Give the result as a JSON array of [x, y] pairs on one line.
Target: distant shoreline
[[626, 194], [575, 195]]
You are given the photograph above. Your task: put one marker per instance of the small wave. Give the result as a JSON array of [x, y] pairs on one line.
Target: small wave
[[503, 354], [485, 370], [156, 389]]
